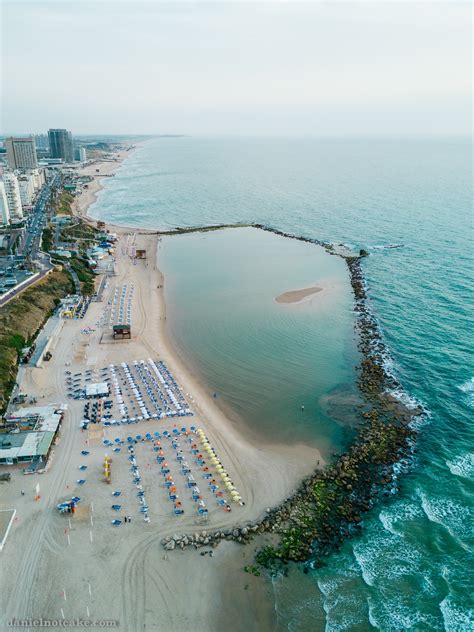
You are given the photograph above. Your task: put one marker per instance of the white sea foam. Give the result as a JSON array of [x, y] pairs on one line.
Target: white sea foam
[[400, 512], [406, 399], [329, 586], [462, 465], [392, 615], [456, 518], [456, 618], [371, 555], [468, 389]]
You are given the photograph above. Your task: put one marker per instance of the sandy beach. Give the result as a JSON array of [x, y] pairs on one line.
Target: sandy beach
[[99, 170], [88, 568]]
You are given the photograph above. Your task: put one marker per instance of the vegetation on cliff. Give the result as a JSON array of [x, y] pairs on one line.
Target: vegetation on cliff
[[20, 321]]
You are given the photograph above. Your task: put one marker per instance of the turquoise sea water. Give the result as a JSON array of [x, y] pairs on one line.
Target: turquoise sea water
[[411, 569]]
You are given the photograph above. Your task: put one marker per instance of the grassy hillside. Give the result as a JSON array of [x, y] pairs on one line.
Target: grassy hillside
[[21, 319]]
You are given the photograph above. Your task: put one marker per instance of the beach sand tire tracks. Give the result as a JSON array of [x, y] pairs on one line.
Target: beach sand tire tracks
[[135, 583]]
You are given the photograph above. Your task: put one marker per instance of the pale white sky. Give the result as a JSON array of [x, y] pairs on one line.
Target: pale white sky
[[283, 68]]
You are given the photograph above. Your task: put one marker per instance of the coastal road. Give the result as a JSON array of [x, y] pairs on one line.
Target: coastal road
[[16, 291], [30, 246]]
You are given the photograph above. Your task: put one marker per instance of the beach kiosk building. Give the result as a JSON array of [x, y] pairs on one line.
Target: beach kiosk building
[[122, 331]]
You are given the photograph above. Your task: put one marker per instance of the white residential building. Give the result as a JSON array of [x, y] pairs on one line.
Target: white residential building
[[4, 212], [12, 191], [26, 183], [39, 177], [80, 154]]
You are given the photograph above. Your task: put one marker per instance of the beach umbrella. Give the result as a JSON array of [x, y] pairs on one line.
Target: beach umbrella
[[229, 486], [234, 492]]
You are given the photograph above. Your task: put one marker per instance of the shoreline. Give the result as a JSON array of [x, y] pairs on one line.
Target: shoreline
[[285, 502]]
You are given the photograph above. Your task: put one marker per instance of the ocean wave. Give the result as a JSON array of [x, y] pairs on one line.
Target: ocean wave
[[456, 618], [462, 465], [394, 616], [371, 555], [403, 511], [457, 519]]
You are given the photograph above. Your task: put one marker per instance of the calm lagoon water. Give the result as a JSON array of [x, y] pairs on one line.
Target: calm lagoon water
[[264, 360], [412, 567]]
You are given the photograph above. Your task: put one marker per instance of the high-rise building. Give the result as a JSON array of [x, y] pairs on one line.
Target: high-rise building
[[21, 153], [60, 144], [4, 212], [80, 154], [12, 191], [41, 141]]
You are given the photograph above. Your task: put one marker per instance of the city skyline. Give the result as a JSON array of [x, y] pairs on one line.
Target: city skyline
[[247, 69]]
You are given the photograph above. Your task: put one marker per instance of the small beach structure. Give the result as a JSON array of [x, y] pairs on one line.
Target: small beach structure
[[122, 332], [98, 389]]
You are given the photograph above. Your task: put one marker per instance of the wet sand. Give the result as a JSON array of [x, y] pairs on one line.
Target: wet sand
[[296, 296]]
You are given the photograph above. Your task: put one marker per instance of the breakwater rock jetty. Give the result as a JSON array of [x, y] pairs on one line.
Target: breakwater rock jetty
[[329, 505]]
